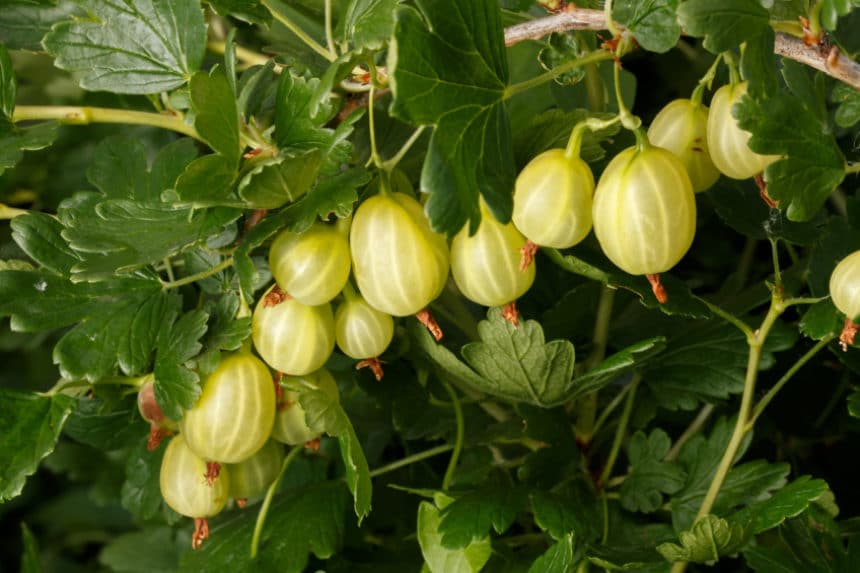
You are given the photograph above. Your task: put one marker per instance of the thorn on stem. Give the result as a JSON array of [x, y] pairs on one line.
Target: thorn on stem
[[201, 532], [275, 297], [762, 190], [426, 318], [849, 331], [375, 366], [511, 314], [213, 469], [657, 288], [527, 254]]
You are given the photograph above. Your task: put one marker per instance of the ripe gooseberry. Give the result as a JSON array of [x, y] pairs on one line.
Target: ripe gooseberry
[[681, 127], [185, 488], [361, 331], [400, 264], [291, 427], [234, 415], [728, 144], [553, 199], [160, 426], [645, 212], [251, 477], [313, 266], [290, 336], [845, 293]]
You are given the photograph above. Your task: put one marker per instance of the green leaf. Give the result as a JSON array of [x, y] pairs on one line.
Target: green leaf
[[207, 181], [23, 23], [8, 86], [559, 558], [786, 503], [39, 235], [814, 165], [300, 521], [469, 518], [225, 331], [176, 386], [572, 509], [331, 196], [653, 23], [437, 558], [848, 112], [708, 540], [562, 48], [216, 116], [152, 550], [105, 424], [141, 492], [137, 47], [616, 365], [30, 425], [30, 562], [324, 413], [368, 24], [551, 129], [14, 141], [251, 11], [723, 25], [650, 476], [470, 151], [297, 124], [831, 10], [820, 320], [759, 66], [285, 179]]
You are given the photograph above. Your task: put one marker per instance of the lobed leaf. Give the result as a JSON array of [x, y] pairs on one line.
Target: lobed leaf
[[653, 23], [177, 386], [23, 23], [725, 24], [368, 24], [437, 557], [469, 518], [650, 477], [705, 542]]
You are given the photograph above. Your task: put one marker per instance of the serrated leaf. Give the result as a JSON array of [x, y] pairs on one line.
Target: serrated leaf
[[848, 112], [24, 23], [271, 184], [611, 368], [216, 116], [331, 196], [551, 129], [324, 413], [571, 509], [437, 558], [813, 164], [650, 476], [152, 550], [297, 124], [39, 235], [225, 331], [30, 425], [514, 361], [725, 24], [30, 562], [301, 521], [133, 47], [708, 540], [820, 320], [105, 424], [368, 24], [251, 11], [141, 492], [470, 517], [758, 64], [470, 152], [653, 23], [786, 503], [14, 141], [8, 86], [562, 48], [176, 386], [559, 558], [207, 181]]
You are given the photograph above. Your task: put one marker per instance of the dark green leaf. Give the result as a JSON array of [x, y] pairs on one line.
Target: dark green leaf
[[650, 476], [138, 47], [30, 425], [153, 550], [225, 331], [831, 10], [848, 112], [562, 48], [30, 562], [558, 559], [206, 181], [105, 424], [470, 151], [551, 129], [820, 320], [251, 11], [23, 23], [653, 23], [470, 517], [301, 521], [39, 235], [8, 86], [809, 88], [618, 364], [176, 386], [216, 116], [282, 180], [14, 141], [839, 239], [814, 164], [332, 196], [723, 25], [325, 414], [368, 24], [788, 502], [759, 64], [708, 540], [141, 493], [297, 125], [437, 558], [572, 509]]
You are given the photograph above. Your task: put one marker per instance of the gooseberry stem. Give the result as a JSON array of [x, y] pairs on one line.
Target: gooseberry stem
[[589, 58], [329, 38], [628, 120], [705, 81], [404, 149], [574, 143], [610, 23], [7, 213], [458, 443], [374, 152], [82, 115], [620, 430], [731, 62], [409, 460], [300, 34], [225, 264], [267, 501]]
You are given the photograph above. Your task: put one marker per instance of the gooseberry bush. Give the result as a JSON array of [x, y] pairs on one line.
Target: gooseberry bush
[[429, 285]]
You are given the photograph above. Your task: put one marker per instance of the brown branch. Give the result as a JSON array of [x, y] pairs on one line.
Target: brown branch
[[830, 62]]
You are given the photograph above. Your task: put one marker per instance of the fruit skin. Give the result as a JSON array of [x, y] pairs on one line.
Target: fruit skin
[[253, 476], [292, 337], [290, 425], [149, 409], [681, 127], [486, 266], [728, 143], [845, 285], [362, 331], [233, 417], [183, 482], [399, 263], [313, 266], [645, 210], [552, 199]]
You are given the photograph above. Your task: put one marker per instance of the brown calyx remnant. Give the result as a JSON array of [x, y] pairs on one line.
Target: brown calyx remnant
[[375, 366], [156, 435], [213, 469], [241, 502], [275, 297], [511, 314], [527, 254], [201, 532], [425, 318], [849, 331], [313, 445], [657, 288], [279, 390], [762, 190]]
